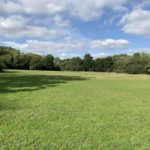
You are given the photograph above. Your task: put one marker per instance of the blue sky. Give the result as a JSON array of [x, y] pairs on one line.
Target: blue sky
[[72, 28]]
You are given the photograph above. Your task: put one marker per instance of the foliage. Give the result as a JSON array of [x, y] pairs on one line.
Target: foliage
[[74, 64], [22, 61], [57, 64], [120, 63], [147, 69], [37, 63], [49, 59], [108, 64], [2, 65], [138, 63], [88, 63]]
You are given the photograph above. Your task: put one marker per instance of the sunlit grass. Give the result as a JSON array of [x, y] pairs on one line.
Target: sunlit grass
[[43, 110]]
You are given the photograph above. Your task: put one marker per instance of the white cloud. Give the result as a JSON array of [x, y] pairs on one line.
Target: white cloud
[[12, 44], [100, 55], [92, 9], [14, 23], [46, 47], [110, 44], [68, 46], [63, 56], [86, 10], [135, 50], [137, 22], [68, 55], [35, 7], [10, 7], [53, 8], [59, 21], [17, 27], [47, 18]]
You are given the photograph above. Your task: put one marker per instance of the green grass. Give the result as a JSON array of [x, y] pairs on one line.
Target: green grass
[[41, 110]]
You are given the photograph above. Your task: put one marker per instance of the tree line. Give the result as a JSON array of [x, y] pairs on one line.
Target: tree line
[[138, 63]]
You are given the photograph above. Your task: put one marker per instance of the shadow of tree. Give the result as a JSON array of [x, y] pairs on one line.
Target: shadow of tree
[[15, 83], [9, 71], [22, 83]]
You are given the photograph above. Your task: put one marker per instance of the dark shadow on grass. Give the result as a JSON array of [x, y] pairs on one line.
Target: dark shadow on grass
[[15, 83], [23, 83], [8, 71]]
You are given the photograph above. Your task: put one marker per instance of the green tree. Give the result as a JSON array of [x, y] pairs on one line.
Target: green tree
[[49, 62], [88, 63], [8, 54], [99, 65], [138, 64], [22, 61], [65, 65], [8, 61], [147, 69], [134, 68], [75, 64], [108, 64], [136, 58], [2, 65], [37, 62], [57, 63], [120, 62]]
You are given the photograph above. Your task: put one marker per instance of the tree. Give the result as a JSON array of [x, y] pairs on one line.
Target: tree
[[108, 64], [88, 63], [8, 54], [11, 58], [2, 65], [75, 64], [49, 62], [134, 68], [65, 65], [136, 58], [139, 63], [57, 64], [37, 62], [22, 61], [8, 61], [8, 51], [120, 62], [99, 65], [147, 69]]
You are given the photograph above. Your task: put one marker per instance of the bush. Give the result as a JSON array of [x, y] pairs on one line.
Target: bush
[[22, 61], [134, 69], [147, 69], [37, 63], [2, 64]]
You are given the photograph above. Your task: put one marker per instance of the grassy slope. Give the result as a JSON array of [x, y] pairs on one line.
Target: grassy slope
[[66, 110]]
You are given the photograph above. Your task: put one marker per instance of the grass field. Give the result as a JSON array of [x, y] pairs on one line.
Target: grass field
[[41, 110]]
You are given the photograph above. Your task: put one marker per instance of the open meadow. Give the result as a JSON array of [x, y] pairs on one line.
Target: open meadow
[[43, 110]]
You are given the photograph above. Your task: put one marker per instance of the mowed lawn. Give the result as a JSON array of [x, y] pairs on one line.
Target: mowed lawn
[[43, 110]]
